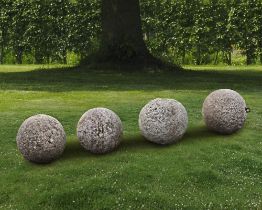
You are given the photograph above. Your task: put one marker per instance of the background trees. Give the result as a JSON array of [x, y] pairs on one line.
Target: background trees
[[84, 26], [182, 31], [5, 25], [246, 18]]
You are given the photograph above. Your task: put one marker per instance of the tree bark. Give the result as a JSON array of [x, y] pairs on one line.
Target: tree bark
[[39, 58], [19, 55], [250, 54], [198, 60], [1, 55], [183, 55], [229, 58], [2, 48], [122, 37], [64, 56], [250, 57], [216, 57]]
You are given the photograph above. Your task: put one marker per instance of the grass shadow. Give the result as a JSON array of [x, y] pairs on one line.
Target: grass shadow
[[75, 150], [138, 142], [199, 133], [76, 79]]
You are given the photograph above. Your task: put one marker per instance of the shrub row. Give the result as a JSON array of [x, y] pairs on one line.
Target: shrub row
[[200, 32]]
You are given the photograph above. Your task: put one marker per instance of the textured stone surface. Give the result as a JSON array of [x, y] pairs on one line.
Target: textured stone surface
[[224, 111], [41, 139], [163, 121], [99, 130]]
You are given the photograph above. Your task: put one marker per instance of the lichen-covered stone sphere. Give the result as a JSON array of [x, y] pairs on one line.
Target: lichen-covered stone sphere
[[224, 111], [163, 121], [99, 130], [41, 139]]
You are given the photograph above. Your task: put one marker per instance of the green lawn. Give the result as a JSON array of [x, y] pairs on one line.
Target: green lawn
[[203, 171]]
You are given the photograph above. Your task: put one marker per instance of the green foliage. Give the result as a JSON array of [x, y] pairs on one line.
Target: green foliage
[[48, 29], [203, 30], [246, 18], [19, 23], [84, 26], [184, 31], [5, 20]]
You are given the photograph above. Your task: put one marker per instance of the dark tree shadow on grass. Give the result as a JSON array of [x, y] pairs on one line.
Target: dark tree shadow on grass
[[75, 79]]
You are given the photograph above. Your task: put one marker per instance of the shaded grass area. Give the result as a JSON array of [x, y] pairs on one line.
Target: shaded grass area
[[77, 79], [204, 170]]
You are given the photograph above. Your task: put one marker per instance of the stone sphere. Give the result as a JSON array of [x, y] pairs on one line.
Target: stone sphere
[[99, 130], [41, 139], [224, 111], [163, 121]]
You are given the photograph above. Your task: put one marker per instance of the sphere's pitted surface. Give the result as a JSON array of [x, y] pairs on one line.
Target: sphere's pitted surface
[[99, 130], [163, 121], [41, 139], [224, 111]]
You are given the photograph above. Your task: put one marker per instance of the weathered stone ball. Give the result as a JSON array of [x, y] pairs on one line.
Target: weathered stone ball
[[41, 139], [163, 121], [224, 111], [99, 130]]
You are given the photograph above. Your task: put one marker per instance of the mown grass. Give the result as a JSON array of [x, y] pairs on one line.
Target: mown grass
[[203, 171]]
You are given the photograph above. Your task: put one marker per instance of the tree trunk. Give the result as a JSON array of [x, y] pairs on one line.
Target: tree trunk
[[2, 55], [39, 58], [64, 56], [229, 58], [183, 55], [260, 57], [19, 55], [122, 37], [250, 55], [216, 57], [198, 61], [250, 59], [2, 50]]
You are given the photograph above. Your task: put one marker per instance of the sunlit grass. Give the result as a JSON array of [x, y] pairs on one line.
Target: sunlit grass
[[225, 68], [203, 171]]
